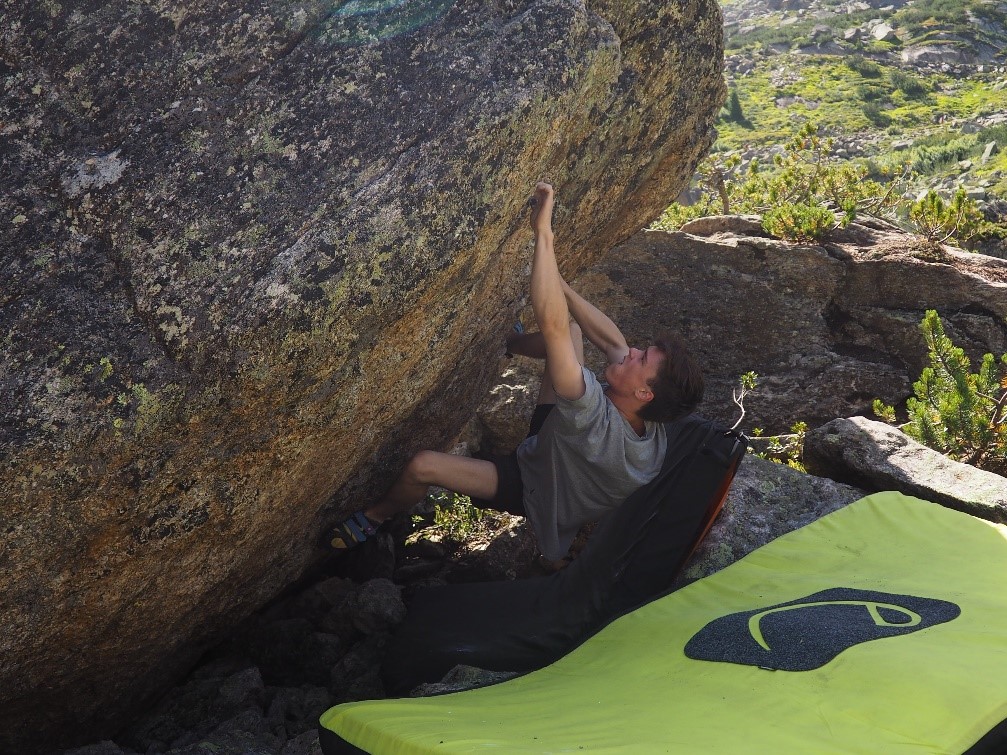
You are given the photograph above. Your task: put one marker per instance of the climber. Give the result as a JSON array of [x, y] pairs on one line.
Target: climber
[[589, 446]]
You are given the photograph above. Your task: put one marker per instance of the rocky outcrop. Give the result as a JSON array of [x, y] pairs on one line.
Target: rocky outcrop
[[766, 500], [880, 457], [828, 328], [936, 55], [253, 257]]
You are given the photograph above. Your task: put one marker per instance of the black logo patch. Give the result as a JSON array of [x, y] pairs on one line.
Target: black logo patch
[[809, 632]]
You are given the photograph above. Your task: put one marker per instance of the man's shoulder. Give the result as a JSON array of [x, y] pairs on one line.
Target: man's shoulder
[[594, 403]]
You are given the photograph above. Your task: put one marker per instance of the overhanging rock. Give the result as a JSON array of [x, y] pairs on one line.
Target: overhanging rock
[[255, 255]]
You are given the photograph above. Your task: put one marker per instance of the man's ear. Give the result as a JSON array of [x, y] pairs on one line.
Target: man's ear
[[646, 395]]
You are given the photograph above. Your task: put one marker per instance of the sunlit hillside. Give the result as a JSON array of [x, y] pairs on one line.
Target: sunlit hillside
[[919, 84]]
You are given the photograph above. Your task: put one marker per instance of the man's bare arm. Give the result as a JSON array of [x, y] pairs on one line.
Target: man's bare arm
[[549, 301], [597, 326]]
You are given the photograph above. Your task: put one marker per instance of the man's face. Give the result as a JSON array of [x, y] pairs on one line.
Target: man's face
[[635, 371]]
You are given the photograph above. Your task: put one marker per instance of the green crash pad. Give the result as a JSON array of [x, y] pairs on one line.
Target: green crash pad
[[881, 627]]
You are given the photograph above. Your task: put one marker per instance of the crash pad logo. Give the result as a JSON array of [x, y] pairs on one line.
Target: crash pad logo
[[807, 633]]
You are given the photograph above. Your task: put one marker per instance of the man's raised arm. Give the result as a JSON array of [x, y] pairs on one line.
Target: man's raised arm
[[597, 326], [549, 301]]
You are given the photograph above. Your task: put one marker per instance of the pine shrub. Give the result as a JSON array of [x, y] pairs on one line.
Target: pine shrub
[[799, 222], [908, 84], [866, 68], [955, 221], [959, 413], [875, 114]]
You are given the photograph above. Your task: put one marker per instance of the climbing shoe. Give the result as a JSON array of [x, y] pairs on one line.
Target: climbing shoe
[[353, 532], [516, 331]]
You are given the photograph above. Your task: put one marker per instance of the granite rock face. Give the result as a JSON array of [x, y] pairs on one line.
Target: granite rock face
[[881, 457], [255, 255], [766, 500]]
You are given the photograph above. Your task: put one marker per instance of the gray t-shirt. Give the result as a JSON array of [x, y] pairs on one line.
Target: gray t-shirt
[[584, 462]]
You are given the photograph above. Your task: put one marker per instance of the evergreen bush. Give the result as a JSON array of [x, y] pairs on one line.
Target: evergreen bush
[[955, 221], [959, 413], [804, 175], [875, 114], [734, 111], [908, 84], [799, 222], [869, 92], [866, 68]]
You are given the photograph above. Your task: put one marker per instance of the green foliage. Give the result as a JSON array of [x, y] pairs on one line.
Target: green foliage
[[922, 15], [870, 92], [909, 85], [959, 413], [799, 222], [866, 68], [783, 449], [930, 157], [764, 35], [883, 410], [719, 191], [939, 221], [455, 518], [746, 384], [749, 380], [807, 192], [873, 112], [734, 111], [938, 154], [996, 134], [800, 195]]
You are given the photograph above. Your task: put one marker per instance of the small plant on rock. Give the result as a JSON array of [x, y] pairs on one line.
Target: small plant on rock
[[941, 222], [454, 518], [787, 448], [783, 449], [799, 222], [959, 413]]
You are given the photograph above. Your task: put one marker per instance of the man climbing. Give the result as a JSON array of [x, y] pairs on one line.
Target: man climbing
[[589, 446]]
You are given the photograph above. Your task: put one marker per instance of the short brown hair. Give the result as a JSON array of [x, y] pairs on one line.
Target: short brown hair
[[678, 386]]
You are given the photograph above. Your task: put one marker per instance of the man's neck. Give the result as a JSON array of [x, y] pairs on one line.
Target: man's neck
[[628, 411]]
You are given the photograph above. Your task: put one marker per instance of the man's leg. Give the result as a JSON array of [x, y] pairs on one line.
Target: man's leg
[[460, 474], [472, 477], [476, 478]]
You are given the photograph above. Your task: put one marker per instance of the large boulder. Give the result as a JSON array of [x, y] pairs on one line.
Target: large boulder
[[877, 456], [256, 254]]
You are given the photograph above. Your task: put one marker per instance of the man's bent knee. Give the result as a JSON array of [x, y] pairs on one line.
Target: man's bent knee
[[423, 467]]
